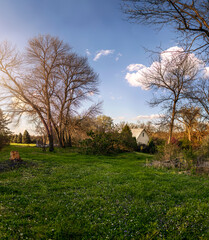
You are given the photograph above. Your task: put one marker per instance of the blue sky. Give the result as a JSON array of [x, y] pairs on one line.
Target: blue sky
[[94, 25]]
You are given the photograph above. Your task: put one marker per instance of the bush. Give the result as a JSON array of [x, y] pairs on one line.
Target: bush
[[168, 152], [150, 148], [104, 143], [185, 144], [4, 140], [100, 143]]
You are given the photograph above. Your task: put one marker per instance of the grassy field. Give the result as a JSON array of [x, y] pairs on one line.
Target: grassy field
[[64, 195]]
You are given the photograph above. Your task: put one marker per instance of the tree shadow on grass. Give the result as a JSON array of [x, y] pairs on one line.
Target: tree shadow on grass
[[9, 165]]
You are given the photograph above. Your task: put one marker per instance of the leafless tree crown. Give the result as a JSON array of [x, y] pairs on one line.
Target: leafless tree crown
[[48, 82], [190, 17]]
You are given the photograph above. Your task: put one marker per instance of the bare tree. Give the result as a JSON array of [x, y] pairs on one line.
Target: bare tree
[[199, 94], [189, 17], [48, 82], [76, 122], [170, 77]]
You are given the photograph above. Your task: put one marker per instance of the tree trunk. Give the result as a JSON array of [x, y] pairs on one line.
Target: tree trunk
[[172, 122], [69, 141], [51, 142], [189, 134]]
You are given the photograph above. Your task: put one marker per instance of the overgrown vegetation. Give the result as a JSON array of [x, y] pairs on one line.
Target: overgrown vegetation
[[107, 142]]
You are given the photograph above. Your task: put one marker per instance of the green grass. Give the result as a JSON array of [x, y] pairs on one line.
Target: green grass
[[65, 195]]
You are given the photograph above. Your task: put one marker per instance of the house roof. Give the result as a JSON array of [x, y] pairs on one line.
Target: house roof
[[136, 132]]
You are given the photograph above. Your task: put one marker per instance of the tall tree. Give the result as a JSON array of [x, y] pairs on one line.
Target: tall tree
[[199, 94], [189, 17], [15, 138], [104, 123], [19, 139], [26, 137], [170, 77], [4, 130], [48, 82]]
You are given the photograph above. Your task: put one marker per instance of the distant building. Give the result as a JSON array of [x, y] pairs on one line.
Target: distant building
[[141, 136]]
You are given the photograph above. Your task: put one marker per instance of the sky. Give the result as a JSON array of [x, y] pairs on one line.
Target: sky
[[98, 30]]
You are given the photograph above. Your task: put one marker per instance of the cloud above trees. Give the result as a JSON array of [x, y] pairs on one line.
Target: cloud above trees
[[137, 72], [152, 116]]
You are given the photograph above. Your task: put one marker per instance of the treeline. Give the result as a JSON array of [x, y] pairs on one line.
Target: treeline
[[21, 138]]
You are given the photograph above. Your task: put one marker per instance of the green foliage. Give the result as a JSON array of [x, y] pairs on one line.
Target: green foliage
[[15, 138], [204, 149], [177, 154], [102, 143], [19, 139], [104, 123], [127, 142], [26, 137], [65, 195], [151, 147], [4, 131], [185, 144], [168, 152], [108, 142]]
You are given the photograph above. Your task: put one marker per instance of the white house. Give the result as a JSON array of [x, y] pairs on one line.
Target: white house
[[141, 136]]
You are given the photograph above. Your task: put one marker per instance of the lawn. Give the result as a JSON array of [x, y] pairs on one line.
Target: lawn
[[65, 195]]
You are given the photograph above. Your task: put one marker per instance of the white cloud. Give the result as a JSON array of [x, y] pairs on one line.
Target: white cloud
[[152, 116], [206, 72], [121, 118], [135, 78], [118, 56], [135, 67], [88, 53], [103, 53], [136, 72]]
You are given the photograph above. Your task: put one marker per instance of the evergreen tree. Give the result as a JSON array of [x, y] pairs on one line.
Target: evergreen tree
[[19, 139], [26, 137], [15, 138], [12, 139], [128, 142], [4, 130]]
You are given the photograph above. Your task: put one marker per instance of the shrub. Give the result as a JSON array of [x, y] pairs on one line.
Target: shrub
[[168, 152], [100, 143], [104, 143], [185, 144], [4, 140], [150, 148]]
